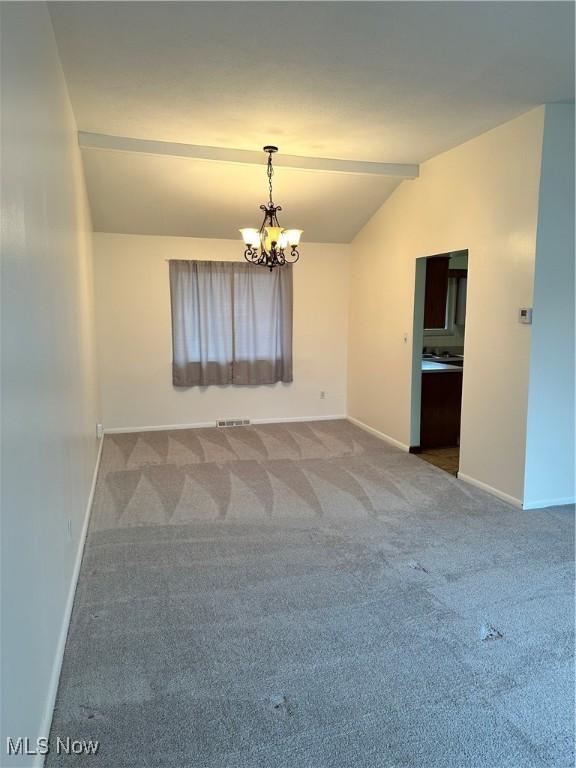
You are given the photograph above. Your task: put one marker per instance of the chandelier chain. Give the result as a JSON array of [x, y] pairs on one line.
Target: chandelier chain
[[270, 172]]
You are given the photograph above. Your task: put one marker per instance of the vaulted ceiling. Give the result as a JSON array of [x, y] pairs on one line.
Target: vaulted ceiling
[[363, 81]]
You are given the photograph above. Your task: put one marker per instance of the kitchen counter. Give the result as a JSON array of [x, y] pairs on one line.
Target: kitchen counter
[[444, 358], [429, 366]]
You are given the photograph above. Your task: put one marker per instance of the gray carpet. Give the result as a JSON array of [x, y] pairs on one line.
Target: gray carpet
[[306, 596]]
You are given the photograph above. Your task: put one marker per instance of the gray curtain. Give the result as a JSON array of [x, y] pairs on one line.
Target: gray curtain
[[231, 323]]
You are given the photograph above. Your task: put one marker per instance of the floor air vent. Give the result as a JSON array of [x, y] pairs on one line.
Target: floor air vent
[[232, 422]]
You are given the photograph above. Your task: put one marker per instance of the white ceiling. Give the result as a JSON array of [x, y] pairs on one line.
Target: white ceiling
[[387, 82]]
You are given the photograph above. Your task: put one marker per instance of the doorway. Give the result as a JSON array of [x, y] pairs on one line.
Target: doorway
[[438, 358]]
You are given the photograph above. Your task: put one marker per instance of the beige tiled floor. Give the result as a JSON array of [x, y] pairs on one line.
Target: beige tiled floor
[[447, 459]]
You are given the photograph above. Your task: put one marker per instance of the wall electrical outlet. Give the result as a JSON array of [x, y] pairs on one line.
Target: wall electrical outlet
[[99, 431]]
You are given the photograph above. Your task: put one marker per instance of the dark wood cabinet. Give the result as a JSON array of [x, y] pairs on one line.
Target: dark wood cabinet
[[436, 292], [441, 404]]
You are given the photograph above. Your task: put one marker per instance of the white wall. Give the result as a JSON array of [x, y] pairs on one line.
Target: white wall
[[135, 343], [48, 382], [483, 196], [550, 440]]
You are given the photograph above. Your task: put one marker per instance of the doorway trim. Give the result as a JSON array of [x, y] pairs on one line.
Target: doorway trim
[[417, 345]]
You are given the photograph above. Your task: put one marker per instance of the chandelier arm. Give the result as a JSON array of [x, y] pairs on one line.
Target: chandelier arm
[[294, 256], [251, 255]]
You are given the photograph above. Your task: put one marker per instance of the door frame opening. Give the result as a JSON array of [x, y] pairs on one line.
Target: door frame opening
[[418, 340]]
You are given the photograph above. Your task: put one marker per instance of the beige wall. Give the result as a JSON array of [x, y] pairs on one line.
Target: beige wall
[[134, 336], [483, 196], [49, 407]]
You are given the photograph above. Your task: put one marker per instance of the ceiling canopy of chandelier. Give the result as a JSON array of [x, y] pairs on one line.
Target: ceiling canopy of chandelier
[[269, 245]]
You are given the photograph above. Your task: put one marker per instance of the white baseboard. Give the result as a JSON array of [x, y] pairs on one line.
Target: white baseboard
[[59, 656], [299, 418], [381, 435], [158, 427], [204, 424], [489, 489], [543, 503]]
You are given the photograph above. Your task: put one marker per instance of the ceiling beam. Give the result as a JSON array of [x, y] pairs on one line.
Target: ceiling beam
[[243, 156]]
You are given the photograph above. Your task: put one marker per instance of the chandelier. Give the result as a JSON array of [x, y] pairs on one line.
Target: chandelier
[[267, 246]]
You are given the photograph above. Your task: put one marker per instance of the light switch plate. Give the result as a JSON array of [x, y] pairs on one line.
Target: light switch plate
[[525, 315]]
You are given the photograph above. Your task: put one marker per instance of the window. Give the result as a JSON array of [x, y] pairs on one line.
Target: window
[[231, 323], [445, 293], [447, 327]]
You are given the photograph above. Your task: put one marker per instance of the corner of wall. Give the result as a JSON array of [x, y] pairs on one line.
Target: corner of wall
[[549, 477]]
